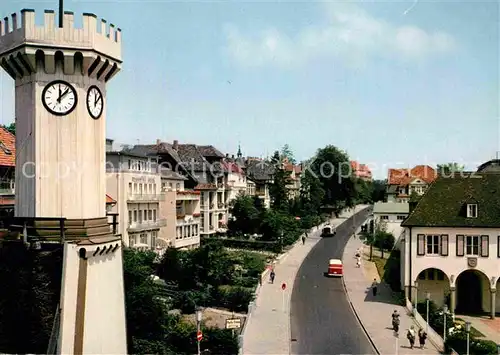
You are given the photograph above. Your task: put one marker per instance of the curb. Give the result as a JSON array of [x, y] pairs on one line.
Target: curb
[[357, 316]]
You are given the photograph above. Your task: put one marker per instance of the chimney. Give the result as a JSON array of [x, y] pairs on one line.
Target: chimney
[[158, 141], [176, 144], [232, 156], [227, 155]]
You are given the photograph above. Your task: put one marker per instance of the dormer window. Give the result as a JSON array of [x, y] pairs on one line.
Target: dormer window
[[471, 210]]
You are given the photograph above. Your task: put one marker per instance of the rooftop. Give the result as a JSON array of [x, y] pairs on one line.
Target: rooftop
[[405, 176], [445, 202], [391, 207]]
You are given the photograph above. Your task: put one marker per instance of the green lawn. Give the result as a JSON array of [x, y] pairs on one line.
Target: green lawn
[[380, 264]]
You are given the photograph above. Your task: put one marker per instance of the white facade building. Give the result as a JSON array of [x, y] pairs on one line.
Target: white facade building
[[452, 244], [135, 184]]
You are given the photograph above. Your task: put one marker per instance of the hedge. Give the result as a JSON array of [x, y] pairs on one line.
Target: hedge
[[235, 299], [458, 340], [271, 246]]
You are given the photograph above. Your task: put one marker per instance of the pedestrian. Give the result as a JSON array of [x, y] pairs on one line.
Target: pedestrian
[[260, 279], [358, 261], [374, 287], [303, 239], [411, 336], [358, 253], [422, 337], [272, 276]]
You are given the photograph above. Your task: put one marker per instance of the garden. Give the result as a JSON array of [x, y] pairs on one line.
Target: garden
[[456, 337]]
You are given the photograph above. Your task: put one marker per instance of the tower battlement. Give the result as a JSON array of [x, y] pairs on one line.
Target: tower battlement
[[95, 35]]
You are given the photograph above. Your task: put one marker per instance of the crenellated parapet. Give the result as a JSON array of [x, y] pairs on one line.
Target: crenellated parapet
[[94, 49]]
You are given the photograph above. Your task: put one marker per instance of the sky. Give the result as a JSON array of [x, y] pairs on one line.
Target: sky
[[394, 83]]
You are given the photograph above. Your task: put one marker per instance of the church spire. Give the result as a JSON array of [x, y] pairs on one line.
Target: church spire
[[239, 151]]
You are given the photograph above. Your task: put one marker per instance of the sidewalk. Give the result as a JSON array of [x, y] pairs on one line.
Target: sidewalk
[[374, 313], [268, 328]]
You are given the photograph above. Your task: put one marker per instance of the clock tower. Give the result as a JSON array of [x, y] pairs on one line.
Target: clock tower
[[60, 78], [60, 75]]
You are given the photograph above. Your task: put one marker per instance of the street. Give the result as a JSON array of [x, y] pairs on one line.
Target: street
[[322, 321]]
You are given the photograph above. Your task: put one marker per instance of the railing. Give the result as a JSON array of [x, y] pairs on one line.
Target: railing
[[146, 197], [147, 225], [54, 335]]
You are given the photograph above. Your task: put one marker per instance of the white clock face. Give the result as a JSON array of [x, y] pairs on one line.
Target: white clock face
[[95, 102], [59, 98]]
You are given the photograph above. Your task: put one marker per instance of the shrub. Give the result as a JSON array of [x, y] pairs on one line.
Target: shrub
[[392, 271], [233, 298], [272, 246], [458, 342]]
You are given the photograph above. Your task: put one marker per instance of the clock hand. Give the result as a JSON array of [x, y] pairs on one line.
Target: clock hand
[[60, 94], [97, 99], [64, 94]]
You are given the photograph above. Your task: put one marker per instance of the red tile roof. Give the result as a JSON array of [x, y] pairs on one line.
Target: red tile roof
[[361, 170], [405, 176], [109, 200], [7, 148], [205, 187]]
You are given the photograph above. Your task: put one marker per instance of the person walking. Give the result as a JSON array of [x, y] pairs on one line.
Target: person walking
[[358, 261], [411, 336], [272, 276], [422, 337], [303, 239], [374, 287]]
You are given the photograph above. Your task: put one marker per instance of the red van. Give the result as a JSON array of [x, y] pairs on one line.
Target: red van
[[335, 268]]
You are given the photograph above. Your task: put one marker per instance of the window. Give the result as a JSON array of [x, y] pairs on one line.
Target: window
[[131, 240], [472, 210], [154, 235], [129, 187], [150, 215], [384, 218], [472, 245], [135, 215], [433, 244], [154, 215], [400, 218], [129, 217], [145, 215], [144, 238], [135, 187], [177, 186]]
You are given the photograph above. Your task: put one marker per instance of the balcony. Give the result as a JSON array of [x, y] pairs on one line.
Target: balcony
[[146, 225], [186, 220], [145, 197], [186, 242], [7, 187], [187, 195], [260, 193]]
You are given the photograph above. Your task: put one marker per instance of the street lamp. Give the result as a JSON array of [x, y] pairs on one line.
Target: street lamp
[[445, 313], [427, 300], [467, 329], [199, 315]]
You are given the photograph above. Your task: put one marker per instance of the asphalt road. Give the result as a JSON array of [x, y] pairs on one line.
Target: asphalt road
[[322, 321]]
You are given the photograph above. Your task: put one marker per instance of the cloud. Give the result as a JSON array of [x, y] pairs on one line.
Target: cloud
[[348, 32]]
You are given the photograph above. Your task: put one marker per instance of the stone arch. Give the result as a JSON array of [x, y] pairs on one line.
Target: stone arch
[[435, 282], [473, 292]]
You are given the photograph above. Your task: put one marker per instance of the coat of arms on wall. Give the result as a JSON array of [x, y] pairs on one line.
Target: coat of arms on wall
[[472, 262]]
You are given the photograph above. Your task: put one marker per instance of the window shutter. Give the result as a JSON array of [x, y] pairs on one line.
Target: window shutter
[[460, 245], [444, 245], [485, 246], [420, 244]]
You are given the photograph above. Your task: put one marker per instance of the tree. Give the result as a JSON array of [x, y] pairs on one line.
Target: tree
[[448, 169], [378, 190], [246, 215], [278, 188], [11, 127], [146, 315], [363, 191], [311, 192], [333, 169], [286, 152]]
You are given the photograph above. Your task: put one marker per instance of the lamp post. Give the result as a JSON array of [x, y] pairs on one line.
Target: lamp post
[[199, 315], [445, 318], [427, 300], [467, 329]]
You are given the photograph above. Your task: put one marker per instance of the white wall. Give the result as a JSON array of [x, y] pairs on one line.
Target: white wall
[[104, 330]]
